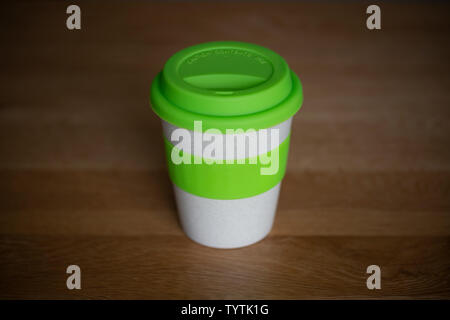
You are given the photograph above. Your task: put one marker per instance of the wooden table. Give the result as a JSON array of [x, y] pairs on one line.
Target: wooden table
[[82, 171]]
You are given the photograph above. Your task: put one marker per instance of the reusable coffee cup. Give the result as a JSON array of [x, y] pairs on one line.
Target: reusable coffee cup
[[226, 110]]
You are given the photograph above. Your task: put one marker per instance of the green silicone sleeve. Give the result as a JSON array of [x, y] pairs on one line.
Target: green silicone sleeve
[[227, 181]]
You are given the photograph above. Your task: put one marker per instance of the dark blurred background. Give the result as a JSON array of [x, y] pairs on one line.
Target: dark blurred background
[[82, 170]]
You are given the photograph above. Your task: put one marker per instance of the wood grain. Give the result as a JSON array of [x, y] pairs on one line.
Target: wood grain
[[82, 170]]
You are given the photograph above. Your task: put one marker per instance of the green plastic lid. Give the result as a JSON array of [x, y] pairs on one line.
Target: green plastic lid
[[227, 85]]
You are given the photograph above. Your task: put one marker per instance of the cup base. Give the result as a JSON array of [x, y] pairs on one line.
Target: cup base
[[227, 224]]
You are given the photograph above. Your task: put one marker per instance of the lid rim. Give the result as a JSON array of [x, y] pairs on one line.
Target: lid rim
[[183, 118]]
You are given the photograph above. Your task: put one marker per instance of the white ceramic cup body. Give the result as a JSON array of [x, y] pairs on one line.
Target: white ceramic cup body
[[229, 223]]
